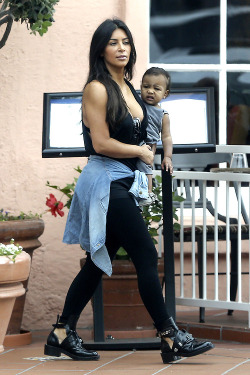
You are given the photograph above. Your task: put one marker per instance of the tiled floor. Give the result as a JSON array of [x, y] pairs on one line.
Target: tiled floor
[[228, 357], [218, 324], [225, 358]]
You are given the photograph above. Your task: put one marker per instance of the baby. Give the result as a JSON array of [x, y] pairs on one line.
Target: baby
[[155, 86]]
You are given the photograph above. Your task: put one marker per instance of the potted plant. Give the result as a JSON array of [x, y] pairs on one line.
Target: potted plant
[[14, 268], [121, 296], [26, 229]]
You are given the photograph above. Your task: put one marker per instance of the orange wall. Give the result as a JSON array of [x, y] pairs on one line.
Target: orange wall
[[30, 66]]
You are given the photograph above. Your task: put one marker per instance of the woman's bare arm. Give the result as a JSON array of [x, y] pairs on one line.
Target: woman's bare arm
[[94, 116]]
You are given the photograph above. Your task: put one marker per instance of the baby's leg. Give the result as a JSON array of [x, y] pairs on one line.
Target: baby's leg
[[150, 182], [153, 147]]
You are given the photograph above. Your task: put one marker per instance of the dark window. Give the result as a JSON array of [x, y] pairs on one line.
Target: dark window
[[238, 31], [238, 116], [185, 31]]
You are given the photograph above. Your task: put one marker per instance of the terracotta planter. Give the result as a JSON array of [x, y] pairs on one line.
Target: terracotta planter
[[124, 312], [11, 287], [125, 315], [25, 233]]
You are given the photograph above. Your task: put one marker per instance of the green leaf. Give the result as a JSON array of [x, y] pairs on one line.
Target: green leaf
[[175, 216], [47, 16], [122, 254], [153, 232], [178, 198], [176, 226], [155, 242], [158, 179], [53, 186], [47, 24], [78, 169], [157, 218]]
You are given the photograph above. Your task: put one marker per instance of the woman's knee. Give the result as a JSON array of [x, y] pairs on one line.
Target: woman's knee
[[145, 259], [90, 268]]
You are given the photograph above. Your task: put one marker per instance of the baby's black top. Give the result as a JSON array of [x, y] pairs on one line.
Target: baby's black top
[[125, 132]]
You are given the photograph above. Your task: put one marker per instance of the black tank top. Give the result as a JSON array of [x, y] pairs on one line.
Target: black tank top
[[129, 131]]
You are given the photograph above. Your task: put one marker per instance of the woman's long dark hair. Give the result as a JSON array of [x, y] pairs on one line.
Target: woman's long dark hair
[[116, 107]]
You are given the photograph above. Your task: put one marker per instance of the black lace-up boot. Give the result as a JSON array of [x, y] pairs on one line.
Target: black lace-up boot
[[72, 345], [177, 343]]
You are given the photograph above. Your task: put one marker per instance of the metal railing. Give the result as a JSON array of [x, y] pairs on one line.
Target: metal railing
[[228, 194]]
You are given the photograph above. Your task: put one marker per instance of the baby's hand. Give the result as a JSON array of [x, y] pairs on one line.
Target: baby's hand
[[167, 164]]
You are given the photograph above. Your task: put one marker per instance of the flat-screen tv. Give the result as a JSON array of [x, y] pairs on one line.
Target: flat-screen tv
[[192, 121]]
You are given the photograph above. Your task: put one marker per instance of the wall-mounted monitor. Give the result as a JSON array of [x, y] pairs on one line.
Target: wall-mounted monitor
[[62, 127], [192, 119], [191, 114]]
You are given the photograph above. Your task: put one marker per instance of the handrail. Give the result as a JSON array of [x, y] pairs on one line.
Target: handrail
[[233, 148], [212, 176], [234, 181]]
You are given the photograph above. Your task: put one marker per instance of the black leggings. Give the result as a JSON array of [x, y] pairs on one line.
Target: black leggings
[[126, 228]]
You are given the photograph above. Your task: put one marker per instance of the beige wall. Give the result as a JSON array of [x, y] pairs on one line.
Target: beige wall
[[31, 66]]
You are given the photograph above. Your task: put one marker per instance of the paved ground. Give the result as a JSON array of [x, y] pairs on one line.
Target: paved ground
[[230, 357], [226, 358]]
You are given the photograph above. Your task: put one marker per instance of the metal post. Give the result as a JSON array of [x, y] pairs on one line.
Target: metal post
[[169, 269]]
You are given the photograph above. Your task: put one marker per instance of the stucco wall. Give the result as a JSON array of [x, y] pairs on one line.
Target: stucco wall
[[30, 66]]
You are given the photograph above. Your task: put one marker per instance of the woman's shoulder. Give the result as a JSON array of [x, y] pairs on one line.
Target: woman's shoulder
[[95, 89], [94, 85]]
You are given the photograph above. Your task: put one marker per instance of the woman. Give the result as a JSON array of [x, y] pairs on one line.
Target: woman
[[104, 215]]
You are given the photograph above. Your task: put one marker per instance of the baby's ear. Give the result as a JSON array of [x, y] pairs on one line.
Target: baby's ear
[[166, 94]]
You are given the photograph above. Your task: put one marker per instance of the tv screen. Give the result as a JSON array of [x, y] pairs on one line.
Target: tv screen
[[191, 112], [62, 127], [192, 119]]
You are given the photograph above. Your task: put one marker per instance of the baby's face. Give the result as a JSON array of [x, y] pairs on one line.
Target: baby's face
[[153, 89]]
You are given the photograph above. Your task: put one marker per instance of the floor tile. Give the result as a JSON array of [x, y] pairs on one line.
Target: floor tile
[[227, 358]]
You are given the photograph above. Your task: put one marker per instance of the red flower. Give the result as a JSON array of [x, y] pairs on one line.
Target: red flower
[[55, 205]]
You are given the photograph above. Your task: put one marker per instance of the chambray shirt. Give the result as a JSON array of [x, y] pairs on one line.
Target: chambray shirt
[[86, 222]]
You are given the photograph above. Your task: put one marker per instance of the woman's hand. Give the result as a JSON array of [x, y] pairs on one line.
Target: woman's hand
[[147, 154]]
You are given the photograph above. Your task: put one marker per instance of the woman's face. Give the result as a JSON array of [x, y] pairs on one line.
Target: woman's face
[[117, 52]]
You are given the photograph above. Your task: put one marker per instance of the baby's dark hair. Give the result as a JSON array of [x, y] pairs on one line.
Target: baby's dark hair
[[154, 71]]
